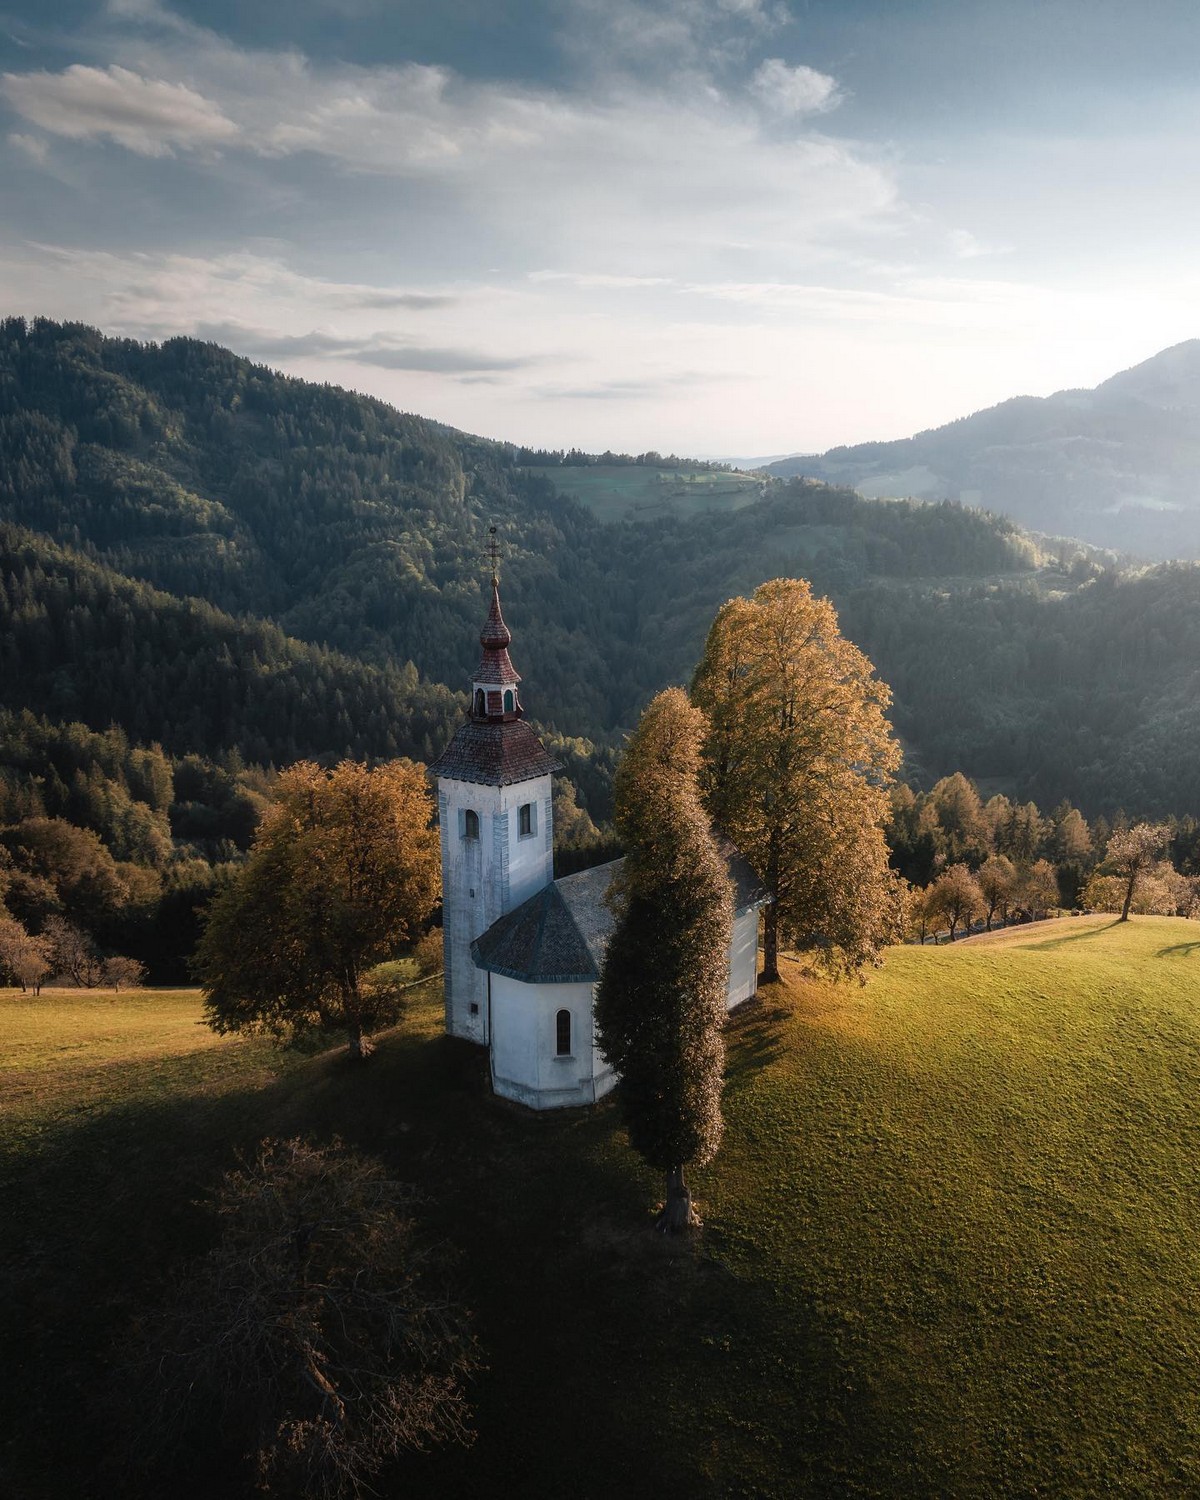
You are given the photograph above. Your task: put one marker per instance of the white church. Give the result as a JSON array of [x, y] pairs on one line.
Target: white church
[[523, 951]]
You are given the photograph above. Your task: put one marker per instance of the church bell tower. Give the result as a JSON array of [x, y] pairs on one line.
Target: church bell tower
[[494, 805]]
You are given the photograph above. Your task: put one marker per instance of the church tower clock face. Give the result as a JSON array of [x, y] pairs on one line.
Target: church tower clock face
[[494, 783]]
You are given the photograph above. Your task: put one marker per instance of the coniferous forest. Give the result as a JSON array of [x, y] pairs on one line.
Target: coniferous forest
[[209, 570]]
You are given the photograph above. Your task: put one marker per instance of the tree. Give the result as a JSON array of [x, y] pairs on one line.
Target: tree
[[72, 952], [956, 897], [317, 1331], [345, 870], [119, 971], [1038, 888], [660, 1002], [26, 957], [997, 881], [1131, 851], [797, 763]]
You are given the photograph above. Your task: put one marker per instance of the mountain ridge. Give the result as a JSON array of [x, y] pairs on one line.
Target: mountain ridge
[[1116, 465]]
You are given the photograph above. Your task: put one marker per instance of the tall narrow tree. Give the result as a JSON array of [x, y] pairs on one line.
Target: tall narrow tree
[[660, 1003], [797, 764]]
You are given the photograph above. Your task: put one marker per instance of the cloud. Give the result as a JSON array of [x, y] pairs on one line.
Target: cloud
[[147, 116], [798, 90], [599, 280], [384, 352], [628, 389], [34, 146]]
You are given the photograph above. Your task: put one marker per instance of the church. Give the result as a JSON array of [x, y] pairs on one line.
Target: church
[[523, 951]]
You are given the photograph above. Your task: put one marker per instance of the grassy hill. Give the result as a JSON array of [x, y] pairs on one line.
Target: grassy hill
[[617, 492], [951, 1246]]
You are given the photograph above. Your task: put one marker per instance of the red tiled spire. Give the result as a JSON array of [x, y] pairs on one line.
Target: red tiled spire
[[494, 690]]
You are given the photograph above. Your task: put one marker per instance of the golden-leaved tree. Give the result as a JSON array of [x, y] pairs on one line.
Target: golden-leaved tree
[[660, 1003], [344, 871], [797, 765]]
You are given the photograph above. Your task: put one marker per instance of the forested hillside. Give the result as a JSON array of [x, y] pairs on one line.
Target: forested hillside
[[222, 559]]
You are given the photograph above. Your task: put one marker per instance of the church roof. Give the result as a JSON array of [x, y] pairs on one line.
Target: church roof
[[560, 935], [495, 752]]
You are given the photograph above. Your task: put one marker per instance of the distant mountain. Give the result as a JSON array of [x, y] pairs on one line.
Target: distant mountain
[[222, 559], [1118, 466]]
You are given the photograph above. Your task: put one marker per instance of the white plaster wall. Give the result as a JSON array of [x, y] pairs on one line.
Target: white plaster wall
[[525, 1066], [484, 878], [743, 959]]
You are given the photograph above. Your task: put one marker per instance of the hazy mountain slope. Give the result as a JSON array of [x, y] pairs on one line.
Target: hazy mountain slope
[[1118, 466]]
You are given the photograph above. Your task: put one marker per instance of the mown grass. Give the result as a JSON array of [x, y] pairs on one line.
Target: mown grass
[[615, 492], [952, 1240]]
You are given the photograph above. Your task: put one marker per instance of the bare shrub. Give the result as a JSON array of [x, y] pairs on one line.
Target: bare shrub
[[317, 1331]]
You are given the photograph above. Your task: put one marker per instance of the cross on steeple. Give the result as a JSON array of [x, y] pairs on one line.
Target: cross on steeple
[[493, 552]]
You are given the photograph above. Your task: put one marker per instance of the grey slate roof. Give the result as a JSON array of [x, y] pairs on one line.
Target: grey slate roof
[[560, 935]]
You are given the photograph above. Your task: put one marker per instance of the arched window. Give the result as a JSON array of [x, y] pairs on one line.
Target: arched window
[[562, 1030], [470, 824], [480, 702], [509, 702]]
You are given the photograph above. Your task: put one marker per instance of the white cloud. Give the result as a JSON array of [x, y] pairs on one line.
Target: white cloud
[[34, 146], [798, 90], [145, 115]]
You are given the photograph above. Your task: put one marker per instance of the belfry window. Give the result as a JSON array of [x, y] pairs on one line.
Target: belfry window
[[480, 702], [470, 824], [509, 701], [562, 1033]]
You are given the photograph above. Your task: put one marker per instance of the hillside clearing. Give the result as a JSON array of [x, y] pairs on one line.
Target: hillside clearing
[[951, 1245]]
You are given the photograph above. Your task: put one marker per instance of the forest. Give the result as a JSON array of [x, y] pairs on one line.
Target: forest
[[209, 570]]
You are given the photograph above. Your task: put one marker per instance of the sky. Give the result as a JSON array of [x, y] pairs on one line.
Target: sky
[[713, 227]]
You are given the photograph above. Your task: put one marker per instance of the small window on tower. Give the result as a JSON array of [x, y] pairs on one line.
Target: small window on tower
[[470, 824], [526, 823], [509, 701], [480, 703], [562, 1030]]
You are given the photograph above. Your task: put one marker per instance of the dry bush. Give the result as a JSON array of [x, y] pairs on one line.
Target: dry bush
[[317, 1332]]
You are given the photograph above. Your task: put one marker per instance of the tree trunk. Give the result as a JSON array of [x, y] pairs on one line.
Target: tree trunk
[[677, 1214], [1124, 917], [360, 1043], [770, 943]]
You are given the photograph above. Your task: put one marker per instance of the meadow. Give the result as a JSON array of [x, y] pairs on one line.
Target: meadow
[[951, 1243], [629, 492]]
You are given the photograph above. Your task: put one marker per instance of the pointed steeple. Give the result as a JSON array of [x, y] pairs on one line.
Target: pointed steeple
[[495, 747], [494, 686]]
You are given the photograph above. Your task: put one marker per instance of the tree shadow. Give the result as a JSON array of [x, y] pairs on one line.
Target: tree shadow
[[1178, 950], [755, 1038], [1073, 937], [593, 1329]]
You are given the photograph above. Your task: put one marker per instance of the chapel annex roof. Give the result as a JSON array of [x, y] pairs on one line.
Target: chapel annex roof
[[561, 934]]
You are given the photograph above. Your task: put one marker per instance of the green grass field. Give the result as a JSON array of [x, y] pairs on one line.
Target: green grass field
[[617, 492], [952, 1240]]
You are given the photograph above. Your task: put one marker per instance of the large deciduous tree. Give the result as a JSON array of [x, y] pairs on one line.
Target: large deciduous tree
[[660, 1003], [344, 870], [797, 764]]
